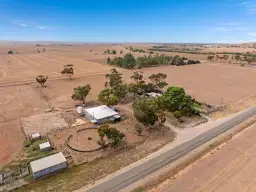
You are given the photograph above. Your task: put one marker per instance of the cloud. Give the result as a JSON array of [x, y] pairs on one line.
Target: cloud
[[42, 27], [19, 23], [225, 29], [23, 25], [239, 29], [252, 34], [251, 7], [229, 24], [245, 3]]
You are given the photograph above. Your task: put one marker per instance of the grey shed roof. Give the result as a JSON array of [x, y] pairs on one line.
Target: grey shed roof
[[101, 112], [36, 135], [44, 145], [46, 162]]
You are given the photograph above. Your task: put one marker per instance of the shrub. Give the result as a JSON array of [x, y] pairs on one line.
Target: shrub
[[177, 114], [27, 143], [10, 52]]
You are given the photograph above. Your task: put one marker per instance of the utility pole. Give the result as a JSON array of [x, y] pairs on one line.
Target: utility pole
[[222, 101]]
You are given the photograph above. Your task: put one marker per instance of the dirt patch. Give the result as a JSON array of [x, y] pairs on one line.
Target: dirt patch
[[85, 140], [43, 123], [80, 139], [11, 140], [185, 122]]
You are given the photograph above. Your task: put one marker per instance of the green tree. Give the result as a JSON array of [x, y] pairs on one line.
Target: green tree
[[120, 91], [138, 77], [108, 60], [210, 57], [114, 78], [238, 57], [121, 52], [115, 82], [145, 111], [41, 80], [175, 99], [114, 135], [129, 61], [81, 92], [137, 87], [158, 80], [134, 88], [113, 51], [68, 71], [142, 62], [107, 98], [249, 58], [117, 61], [10, 52]]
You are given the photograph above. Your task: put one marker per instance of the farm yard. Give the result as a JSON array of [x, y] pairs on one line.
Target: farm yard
[[205, 81], [27, 108]]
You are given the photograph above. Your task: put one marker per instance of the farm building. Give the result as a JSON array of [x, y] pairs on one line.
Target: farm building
[[45, 146], [101, 113], [153, 95], [36, 136], [48, 165]]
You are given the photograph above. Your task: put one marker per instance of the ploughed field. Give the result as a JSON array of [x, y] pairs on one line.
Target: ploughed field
[[232, 168], [207, 82]]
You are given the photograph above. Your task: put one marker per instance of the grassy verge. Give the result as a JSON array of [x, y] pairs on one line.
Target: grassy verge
[[139, 189]]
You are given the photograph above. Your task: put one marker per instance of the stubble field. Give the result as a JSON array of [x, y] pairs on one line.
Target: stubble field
[[21, 96], [232, 168]]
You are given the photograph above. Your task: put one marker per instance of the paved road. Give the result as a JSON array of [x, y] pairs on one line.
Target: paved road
[[131, 176]]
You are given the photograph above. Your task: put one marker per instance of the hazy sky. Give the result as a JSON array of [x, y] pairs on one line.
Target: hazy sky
[[221, 21]]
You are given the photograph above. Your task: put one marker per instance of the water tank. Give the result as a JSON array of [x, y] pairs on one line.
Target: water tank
[[80, 110]]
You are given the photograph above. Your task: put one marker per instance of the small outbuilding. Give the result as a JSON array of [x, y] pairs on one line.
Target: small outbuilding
[[36, 136], [45, 146], [153, 95], [47, 165], [101, 113]]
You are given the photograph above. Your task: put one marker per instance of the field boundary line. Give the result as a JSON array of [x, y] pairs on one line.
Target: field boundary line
[[51, 79]]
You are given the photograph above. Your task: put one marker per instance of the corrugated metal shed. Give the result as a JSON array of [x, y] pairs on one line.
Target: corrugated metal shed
[[101, 112], [47, 162], [36, 136], [45, 146], [154, 95]]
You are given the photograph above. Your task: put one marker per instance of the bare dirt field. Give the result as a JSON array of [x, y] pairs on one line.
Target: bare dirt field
[[235, 107], [231, 168], [15, 68], [211, 83], [11, 140]]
